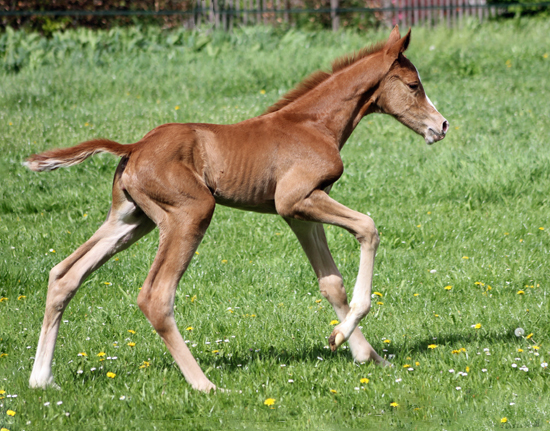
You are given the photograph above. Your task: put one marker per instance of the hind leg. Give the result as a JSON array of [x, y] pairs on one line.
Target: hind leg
[[125, 224], [181, 231]]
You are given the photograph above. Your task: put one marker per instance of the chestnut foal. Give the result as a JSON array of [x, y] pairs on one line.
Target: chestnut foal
[[282, 162]]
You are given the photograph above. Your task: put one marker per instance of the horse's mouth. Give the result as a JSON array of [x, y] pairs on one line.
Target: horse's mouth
[[433, 136]]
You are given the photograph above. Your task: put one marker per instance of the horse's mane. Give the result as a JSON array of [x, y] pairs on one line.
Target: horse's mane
[[317, 78]]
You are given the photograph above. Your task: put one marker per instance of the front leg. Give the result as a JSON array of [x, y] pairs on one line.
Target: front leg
[[313, 240], [319, 207]]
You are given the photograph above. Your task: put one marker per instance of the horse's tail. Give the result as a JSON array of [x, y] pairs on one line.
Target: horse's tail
[[63, 157]]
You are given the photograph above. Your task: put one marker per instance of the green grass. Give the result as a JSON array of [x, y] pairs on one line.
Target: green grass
[[482, 193]]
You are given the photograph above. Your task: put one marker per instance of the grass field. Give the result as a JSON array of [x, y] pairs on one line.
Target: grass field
[[463, 259]]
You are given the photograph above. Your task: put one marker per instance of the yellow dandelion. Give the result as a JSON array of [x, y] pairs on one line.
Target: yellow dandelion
[[224, 260], [432, 346], [177, 108], [416, 294], [536, 347], [418, 225], [262, 91], [4, 429], [364, 380], [465, 257], [455, 352], [520, 350], [111, 375], [131, 331], [530, 335], [193, 298], [417, 363], [131, 344], [144, 365], [3, 299], [189, 328], [101, 354], [387, 341], [378, 294], [448, 287], [197, 253], [334, 322], [2, 355], [318, 300], [10, 413], [82, 354], [521, 292], [541, 228], [333, 391], [215, 351], [504, 420], [269, 402], [394, 404], [545, 55], [20, 297], [406, 366], [467, 369], [477, 325], [379, 303]]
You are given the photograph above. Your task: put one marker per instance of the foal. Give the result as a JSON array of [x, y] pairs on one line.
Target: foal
[[282, 162]]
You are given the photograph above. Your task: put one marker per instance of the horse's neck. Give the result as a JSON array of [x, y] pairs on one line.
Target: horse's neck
[[337, 105]]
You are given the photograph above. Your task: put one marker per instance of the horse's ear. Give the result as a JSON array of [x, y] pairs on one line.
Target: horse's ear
[[399, 46], [394, 37]]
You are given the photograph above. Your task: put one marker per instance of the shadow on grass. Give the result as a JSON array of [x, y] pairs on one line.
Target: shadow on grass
[[314, 355]]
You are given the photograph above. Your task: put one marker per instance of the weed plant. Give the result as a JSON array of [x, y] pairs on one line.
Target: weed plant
[[461, 276]]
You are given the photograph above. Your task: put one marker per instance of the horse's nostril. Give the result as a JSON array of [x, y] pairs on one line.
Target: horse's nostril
[[445, 126]]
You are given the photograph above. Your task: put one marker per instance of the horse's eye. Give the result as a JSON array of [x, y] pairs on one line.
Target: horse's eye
[[413, 86]]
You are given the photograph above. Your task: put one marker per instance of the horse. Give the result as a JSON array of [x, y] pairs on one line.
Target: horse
[[283, 162]]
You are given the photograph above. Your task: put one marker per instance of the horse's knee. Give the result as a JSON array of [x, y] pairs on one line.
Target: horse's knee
[[367, 232], [332, 288]]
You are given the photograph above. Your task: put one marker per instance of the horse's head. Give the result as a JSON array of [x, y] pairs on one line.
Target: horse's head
[[402, 95]]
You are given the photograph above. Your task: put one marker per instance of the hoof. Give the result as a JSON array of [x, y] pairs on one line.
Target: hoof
[[335, 340]]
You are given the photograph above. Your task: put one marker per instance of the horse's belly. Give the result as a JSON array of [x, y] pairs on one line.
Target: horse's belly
[[266, 206]]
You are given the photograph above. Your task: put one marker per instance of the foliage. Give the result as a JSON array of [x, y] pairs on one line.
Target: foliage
[[49, 24], [465, 213]]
